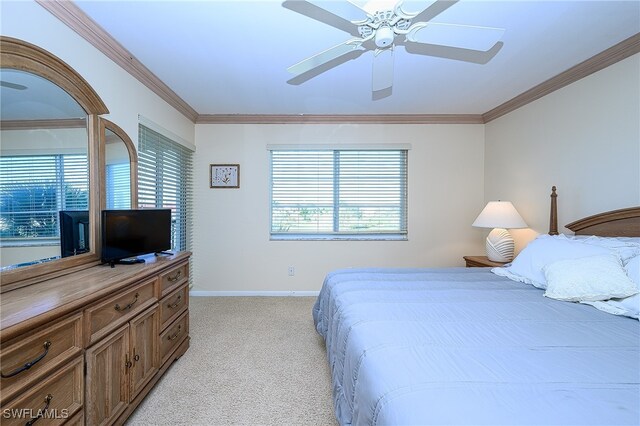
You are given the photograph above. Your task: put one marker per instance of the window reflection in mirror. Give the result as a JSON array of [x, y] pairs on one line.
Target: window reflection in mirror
[[43, 170], [117, 172]]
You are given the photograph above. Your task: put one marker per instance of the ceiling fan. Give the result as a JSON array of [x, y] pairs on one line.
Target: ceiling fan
[[379, 26]]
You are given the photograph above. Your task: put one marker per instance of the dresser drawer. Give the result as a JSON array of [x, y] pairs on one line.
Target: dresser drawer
[[55, 400], [174, 278], [173, 336], [173, 305], [77, 420], [28, 358], [109, 314]]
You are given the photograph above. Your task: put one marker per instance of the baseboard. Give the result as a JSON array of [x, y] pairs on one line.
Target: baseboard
[[198, 293]]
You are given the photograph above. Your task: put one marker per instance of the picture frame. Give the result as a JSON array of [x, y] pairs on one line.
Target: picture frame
[[224, 175]]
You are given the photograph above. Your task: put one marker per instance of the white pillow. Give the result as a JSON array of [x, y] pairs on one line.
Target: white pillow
[[625, 247], [591, 279], [634, 240], [628, 306], [545, 249], [633, 270]]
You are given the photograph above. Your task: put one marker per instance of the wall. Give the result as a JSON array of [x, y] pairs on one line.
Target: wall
[[124, 96], [231, 230], [43, 141], [583, 138]]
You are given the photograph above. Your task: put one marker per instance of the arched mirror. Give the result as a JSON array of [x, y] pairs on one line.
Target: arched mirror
[[49, 189], [120, 168]]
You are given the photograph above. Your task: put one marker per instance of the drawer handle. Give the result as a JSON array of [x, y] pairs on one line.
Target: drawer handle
[[127, 363], [174, 278], [119, 309], [175, 336], [47, 401], [28, 365], [176, 303]]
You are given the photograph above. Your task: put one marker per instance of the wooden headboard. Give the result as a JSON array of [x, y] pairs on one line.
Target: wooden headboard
[[614, 223]]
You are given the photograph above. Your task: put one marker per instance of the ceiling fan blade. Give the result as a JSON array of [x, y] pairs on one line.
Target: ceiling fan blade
[[336, 14], [306, 76], [10, 85], [382, 77], [453, 35], [342, 8], [326, 56], [425, 10], [455, 53]]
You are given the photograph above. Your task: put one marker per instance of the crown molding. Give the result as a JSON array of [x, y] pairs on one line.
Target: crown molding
[[65, 123], [616, 53], [71, 15], [354, 119]]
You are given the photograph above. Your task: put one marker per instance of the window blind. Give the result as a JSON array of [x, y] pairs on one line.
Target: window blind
[[118, 181], [35, 187], [164, 181], [339, 194]]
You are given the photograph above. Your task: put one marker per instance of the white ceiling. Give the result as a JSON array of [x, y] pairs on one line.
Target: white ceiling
[[25, 96], [230, 57]]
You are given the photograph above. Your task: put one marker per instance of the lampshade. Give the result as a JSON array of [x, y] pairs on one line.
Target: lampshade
[[499, 214]]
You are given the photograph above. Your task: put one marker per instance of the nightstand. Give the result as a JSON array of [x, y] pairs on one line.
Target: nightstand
[[481, 261]]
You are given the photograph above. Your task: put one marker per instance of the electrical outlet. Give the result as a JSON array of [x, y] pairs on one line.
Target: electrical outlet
[[291, 271]]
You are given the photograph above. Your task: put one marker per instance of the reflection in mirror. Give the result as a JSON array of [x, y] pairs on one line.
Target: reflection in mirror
[[120, 167], [43, 171], [117, 172]]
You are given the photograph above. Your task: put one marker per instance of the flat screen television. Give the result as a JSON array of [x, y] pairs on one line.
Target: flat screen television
[[130, 233], [74, 232]]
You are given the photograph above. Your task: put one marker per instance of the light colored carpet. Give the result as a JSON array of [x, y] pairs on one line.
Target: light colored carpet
[[252, 361]]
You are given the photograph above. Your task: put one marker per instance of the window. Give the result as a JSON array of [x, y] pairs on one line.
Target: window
[[338, 194], [164, 181], [34, 188]]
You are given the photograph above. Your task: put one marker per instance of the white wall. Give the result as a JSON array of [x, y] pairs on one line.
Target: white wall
[[16, 255], [583, 138], [231, 229], [43, 141], [124, 96]]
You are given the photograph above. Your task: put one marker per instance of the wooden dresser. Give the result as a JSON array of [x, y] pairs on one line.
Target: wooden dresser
[[85, 348]]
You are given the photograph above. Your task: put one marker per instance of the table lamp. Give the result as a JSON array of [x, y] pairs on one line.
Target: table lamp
[[499, 215]]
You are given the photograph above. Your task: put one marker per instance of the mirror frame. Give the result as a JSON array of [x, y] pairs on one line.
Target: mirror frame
[[133, 161], [20, 55]]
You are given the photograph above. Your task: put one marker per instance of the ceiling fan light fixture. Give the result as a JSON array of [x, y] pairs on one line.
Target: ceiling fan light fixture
[[384, 37]]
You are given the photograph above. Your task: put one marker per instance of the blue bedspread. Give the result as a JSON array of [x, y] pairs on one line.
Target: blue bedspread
[[464, 346]]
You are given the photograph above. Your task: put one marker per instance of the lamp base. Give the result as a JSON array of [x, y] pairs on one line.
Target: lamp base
[[500, 245]]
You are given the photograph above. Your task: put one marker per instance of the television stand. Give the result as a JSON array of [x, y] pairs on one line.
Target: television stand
[[164, 253]]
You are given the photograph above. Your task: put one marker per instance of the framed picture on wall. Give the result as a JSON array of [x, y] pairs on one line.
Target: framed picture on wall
[[224, 175]]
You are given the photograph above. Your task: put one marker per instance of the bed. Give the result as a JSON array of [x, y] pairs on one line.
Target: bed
[[467, 346]]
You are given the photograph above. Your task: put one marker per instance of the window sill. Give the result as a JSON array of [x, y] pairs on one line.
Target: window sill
[[331, 237], [30, 243]]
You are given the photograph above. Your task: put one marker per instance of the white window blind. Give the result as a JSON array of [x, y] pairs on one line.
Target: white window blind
[[34, 188], [164, 181], [118, 181], [350, 194]]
